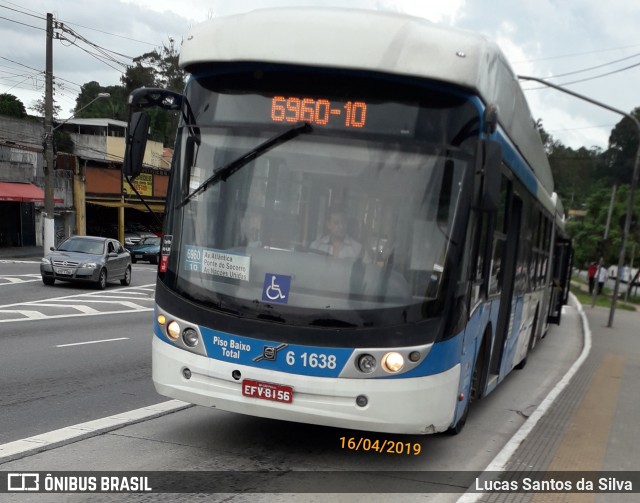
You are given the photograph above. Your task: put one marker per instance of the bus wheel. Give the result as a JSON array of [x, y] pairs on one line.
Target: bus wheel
[[474, 392], [457, 428]]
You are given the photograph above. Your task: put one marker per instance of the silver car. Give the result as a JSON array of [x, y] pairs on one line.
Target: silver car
[[87, 259]]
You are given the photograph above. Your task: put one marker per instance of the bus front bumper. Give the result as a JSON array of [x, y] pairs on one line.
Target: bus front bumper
[[418, 405]]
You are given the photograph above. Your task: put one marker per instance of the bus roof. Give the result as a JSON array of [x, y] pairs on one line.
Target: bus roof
[[380, 42]]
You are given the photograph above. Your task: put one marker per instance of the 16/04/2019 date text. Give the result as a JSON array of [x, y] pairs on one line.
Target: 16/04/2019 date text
[[380, 446]]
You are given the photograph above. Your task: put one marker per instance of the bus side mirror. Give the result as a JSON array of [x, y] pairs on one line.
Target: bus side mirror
[[491, 167], [136, 143]]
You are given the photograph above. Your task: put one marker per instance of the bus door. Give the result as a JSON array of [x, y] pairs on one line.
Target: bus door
[[507, 279], [560, 279]]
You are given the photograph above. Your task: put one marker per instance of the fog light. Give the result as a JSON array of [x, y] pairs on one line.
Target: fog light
[[367, 363], [161, 319], [414, 356], [190, 337], [362, 401], [173, 330], [393, 362]]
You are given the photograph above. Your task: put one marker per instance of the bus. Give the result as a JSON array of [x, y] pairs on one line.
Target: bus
[[360, 226]]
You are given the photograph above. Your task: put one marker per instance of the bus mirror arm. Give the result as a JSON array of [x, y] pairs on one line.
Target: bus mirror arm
[[490, 155]]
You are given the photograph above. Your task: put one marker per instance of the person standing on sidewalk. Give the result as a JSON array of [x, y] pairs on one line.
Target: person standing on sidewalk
[[591, 274], [603, 275]]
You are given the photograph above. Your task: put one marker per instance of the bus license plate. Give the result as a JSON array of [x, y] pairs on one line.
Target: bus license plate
[[267, 391]]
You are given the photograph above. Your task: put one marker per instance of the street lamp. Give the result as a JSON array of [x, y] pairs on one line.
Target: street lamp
[[632, 189], [98, 97], [49, 179]]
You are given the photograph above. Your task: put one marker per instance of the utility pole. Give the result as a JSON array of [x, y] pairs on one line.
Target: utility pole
[[49, 175]]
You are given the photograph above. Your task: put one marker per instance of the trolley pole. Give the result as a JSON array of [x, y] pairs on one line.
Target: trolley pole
[[632, 189]]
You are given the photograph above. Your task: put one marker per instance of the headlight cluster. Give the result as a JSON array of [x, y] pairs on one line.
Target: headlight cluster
[[89, 265], [392, 362], [174, 331], [45, 260]]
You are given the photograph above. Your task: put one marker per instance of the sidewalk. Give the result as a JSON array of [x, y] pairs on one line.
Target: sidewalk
[[594, 423], [21, 252]]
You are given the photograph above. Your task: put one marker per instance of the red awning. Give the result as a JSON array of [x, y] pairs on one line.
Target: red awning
[[22, 192]]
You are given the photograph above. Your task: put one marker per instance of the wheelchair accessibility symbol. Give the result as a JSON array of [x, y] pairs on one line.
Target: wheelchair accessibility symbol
[[276, 288]]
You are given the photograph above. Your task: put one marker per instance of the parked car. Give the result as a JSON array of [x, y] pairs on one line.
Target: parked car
[[131, 239], [87, 259], [148, 249]]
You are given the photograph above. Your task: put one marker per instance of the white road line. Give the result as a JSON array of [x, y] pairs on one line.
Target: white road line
[[91, 342], [35, 302], [76, 315], [501, 460], [80, 307], [31, 315], [66, 435]]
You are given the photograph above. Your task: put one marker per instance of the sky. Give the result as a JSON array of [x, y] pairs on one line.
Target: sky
[[590, 46]]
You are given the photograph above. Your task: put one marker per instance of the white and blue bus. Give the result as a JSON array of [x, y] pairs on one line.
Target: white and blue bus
[[417, 140]]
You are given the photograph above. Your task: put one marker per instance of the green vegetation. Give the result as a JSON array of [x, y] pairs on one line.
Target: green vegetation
[[585, 180]]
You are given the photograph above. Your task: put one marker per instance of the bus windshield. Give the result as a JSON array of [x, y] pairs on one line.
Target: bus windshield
[[347, 222]]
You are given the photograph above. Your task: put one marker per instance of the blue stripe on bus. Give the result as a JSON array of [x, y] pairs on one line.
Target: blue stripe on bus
[[310, 360]]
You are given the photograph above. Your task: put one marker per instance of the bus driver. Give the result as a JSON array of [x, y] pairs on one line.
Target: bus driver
[[337, 242]]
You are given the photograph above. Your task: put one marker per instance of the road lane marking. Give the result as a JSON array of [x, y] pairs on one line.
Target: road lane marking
[[75, 296], [500, 461], [76, 315], [91, 342], [57, 438]]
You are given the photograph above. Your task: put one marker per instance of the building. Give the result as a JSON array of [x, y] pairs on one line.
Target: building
[[112, 205], [89, 191]]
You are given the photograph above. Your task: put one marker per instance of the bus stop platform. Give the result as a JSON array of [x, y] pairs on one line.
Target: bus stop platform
[[590, 428]]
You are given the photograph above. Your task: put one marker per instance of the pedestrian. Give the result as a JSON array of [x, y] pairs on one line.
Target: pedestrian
[[591, 274], [603, 275]]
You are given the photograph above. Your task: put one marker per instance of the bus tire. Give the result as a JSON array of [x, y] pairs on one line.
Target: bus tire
[[474, 393]]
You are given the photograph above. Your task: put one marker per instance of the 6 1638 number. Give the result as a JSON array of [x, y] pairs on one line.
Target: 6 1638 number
[[312, 360]]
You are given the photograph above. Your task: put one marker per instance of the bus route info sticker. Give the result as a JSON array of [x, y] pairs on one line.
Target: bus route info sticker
[[216, 263], [165, 251]]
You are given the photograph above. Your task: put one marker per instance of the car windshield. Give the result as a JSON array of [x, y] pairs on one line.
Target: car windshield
[[80, 245], [150, 241]]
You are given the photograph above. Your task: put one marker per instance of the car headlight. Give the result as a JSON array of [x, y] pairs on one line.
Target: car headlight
[[45, 260], [89, 265]]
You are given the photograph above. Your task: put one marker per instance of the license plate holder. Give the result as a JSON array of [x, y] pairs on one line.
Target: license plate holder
[[267, 391]]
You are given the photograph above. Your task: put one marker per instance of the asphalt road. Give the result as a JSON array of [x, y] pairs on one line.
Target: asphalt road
[[71, 353]]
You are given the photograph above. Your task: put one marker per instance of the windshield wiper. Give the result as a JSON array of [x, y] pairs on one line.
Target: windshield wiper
[[226, 171]]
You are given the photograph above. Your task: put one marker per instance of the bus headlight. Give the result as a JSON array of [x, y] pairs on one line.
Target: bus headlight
[[393, 362], [173, 330], [190, 337], [367, 363]]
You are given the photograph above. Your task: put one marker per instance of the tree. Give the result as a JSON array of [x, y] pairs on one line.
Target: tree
[[158, 68], [623, 146], [38, 106], [11, 106]]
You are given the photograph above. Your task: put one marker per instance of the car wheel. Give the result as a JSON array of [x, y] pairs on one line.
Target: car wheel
[[126, 281], [48, 281], [102, 279]]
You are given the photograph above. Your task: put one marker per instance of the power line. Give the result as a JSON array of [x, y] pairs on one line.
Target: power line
[[593, 67], [23, 24], [587, 53], [22, 7], [22, 12]]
